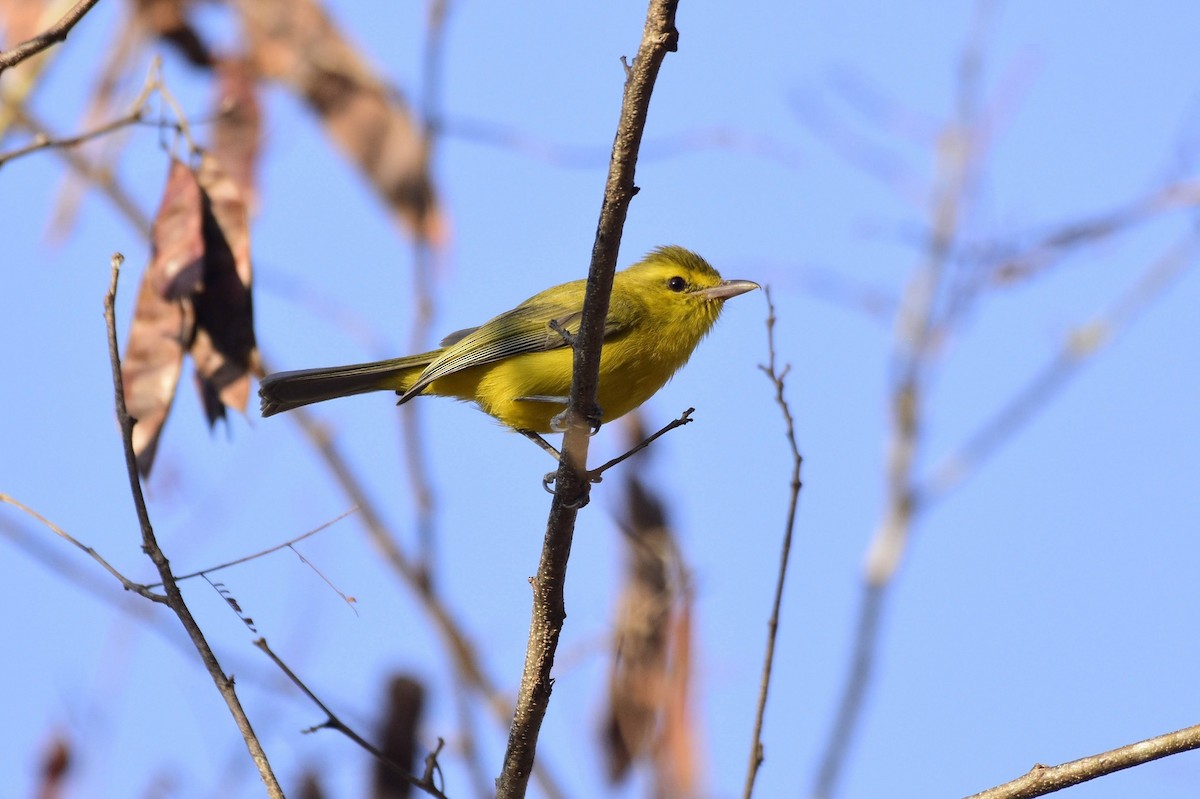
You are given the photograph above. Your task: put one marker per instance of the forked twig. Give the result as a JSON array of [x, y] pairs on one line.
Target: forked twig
[[173, 598]]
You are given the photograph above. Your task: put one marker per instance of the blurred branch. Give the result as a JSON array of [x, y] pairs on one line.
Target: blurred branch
[[332, 722], [659, 37], [97, 175], [173, 598], [583, 156], [53, 35], [1021, 264], [920, 327], [776, 376], [42, 141], [1042, 780], [1078, 347], [424, 260]]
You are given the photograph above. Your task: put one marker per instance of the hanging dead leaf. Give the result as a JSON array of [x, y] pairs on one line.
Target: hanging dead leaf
[[640, 655], [237, 132], [648, 705], [224, 347], [676, 765], [177, 245], [296, 43], [153, 360]]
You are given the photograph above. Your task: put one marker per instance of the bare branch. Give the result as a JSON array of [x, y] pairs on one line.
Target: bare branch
[[776, 376], [53, 35], [174, 599], [659, 36], [1042, 780], [684, 418]]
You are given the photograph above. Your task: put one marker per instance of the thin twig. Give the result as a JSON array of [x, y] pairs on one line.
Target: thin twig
[[174, 599], [684, 418], [285, 545], [53, 35], [659, 36], [776, 376], [42, 142], [130, 585], [1042, 780], [332, 722]]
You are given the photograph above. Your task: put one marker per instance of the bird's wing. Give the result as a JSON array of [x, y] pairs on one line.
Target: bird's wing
[[530, 327]]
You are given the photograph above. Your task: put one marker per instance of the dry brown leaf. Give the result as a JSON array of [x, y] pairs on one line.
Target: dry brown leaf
[[153, 360], [676, 765], [223, 347], [237, 132], [649, 717], [638, 672], [177, 244], [296, 43], [398, 737]]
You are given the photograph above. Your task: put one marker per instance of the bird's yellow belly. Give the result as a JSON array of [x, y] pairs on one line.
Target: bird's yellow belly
[[527, 391]]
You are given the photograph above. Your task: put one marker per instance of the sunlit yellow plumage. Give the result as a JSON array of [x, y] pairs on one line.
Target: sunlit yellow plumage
[[517, 367]]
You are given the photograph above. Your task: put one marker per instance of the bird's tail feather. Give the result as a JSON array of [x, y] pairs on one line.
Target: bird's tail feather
[[284, 391]]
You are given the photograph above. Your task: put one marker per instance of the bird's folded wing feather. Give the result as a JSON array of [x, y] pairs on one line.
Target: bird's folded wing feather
[[525, 329]]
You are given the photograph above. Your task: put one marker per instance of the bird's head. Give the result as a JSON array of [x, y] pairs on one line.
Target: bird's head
[[682, 291]]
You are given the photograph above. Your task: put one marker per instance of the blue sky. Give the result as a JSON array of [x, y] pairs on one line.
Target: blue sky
[[1044, 609]]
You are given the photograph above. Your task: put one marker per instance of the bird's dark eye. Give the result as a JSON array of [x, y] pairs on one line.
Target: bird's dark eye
[[677, 283]]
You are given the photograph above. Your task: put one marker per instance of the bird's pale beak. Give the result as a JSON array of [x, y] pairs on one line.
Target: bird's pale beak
[[728, 288]]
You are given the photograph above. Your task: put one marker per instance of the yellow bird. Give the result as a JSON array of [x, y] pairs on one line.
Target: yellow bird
[[517, 367]]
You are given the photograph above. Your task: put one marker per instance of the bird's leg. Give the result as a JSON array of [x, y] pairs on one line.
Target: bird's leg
[[541, 442], [548, 478]]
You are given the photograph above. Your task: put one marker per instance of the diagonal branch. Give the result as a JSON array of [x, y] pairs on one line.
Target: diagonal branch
[[1042, 780], [53, 35], [659, 37]]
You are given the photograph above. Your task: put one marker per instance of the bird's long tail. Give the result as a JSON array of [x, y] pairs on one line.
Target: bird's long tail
[[284, 391]]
